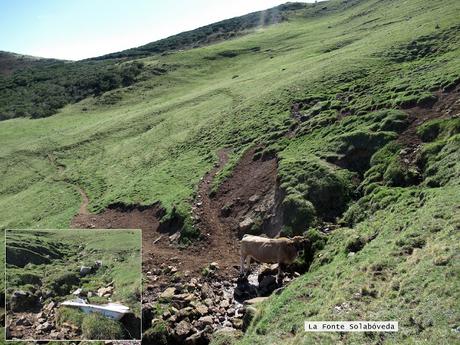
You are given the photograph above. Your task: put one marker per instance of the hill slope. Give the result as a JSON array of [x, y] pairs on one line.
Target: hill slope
[[358, 107]]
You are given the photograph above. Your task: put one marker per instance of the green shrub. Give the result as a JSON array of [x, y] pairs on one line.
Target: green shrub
[[98, 327], [299, 213]]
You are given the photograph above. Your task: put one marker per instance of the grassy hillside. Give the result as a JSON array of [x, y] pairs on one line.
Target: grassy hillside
[[338, 76]]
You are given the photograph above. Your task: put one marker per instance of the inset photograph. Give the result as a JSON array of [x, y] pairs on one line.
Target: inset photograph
[[73, 284]]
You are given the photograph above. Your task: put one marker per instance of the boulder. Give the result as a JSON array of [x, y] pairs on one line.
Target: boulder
[[202, 309], [85, 270], [107, 291], [182, 329], [206, 320], [255, 300], [199, 338], [168, 293], [21, 301], [45, 327], [267, 285], [246, 224], [214, 266]]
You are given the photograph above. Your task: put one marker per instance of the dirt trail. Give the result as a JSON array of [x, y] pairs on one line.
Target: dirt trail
[[84, 202], [219, 243]]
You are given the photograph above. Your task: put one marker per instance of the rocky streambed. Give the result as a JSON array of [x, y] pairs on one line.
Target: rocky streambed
[[181, 309]]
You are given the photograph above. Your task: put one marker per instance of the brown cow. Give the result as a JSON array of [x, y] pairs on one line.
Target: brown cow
[[270, 250]]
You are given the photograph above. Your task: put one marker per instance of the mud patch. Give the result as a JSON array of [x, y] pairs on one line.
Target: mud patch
[[446, 106]]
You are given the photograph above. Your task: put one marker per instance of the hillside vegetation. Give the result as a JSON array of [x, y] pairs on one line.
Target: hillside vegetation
[[359, 102]]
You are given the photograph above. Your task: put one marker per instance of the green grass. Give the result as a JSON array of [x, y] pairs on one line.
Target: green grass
[[154, 140]]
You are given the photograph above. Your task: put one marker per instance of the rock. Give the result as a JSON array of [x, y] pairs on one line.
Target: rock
[[206, 292], [224, 304], [255, 300], [254, 198], [107, 291], [45, 327], [214, 266], [55, 335], [229, 332], [50, 306], [186, 312], [199, 338], [267, 285], [202, 309], [77, 292], [246, 224], [206, 320], [168, 293], [227, 323], [85, 270], [237, 323], [21, 301], [183, 329], [208, 302], [23, 321]]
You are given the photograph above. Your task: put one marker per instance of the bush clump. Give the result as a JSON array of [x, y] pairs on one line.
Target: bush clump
[[299, 213]]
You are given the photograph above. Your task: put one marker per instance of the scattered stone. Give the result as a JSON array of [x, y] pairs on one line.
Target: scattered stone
[[255, 300], [85, 270], [45, 327], [224, 304], [168, 293], [23, 321], [207, 320], [183, 329], [214, 266], [202, 309], [105, 292], [77, 292], [246, 224], [253, 199]]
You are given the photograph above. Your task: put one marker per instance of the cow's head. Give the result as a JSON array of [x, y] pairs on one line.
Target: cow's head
[[300, 242]]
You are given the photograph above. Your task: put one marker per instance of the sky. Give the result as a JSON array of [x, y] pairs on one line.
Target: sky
[[78, 29]]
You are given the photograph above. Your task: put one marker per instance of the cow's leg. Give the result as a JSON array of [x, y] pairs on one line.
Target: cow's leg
[[248, 263], [279, 276], [242, 258]]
